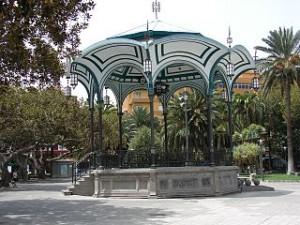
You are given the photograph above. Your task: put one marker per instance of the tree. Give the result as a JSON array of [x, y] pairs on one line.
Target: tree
[[197, 123], [138, 118], [110, 127], [246, 154], [280, 71], [36, 35], [248, 108], [31, 120], [139, 146]]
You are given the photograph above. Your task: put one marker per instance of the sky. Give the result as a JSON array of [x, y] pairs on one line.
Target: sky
[[249, 20]]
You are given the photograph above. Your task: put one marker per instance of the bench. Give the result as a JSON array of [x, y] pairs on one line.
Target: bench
[[248, 179]]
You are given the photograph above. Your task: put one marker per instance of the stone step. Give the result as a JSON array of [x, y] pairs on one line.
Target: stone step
[[67, 192]]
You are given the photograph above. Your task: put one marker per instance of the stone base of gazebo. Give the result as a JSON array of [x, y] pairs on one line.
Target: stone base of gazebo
[[161, 182]]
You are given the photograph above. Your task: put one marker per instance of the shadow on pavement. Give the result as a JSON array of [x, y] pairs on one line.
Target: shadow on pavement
[[78, 212]]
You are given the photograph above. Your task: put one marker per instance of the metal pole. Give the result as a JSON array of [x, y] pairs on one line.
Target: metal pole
[[210, 132], [120, 114], [72, 172], [152, 150], [270, 156], [101, 152], [187, 151], [165, 113], [230, 131], [93, 160]]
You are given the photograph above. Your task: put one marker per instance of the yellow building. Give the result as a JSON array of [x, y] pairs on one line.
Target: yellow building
[[140, 98]]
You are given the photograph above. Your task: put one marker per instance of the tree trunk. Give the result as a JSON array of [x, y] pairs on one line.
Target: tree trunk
[[6, 176], [291, 168]]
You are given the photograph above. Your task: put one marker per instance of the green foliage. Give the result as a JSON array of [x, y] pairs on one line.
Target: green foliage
[[279, 177], [141, 140], [251, 133], [42, 118], [140, 117], [280, 71], [36, 35], [197, 121], [110, 128], [246, 154], [248, 108]]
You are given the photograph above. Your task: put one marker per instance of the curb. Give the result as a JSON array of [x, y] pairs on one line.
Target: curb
[[281, 181]]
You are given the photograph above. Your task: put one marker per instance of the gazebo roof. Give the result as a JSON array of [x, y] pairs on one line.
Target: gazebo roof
[[179, 57], [157, 29]]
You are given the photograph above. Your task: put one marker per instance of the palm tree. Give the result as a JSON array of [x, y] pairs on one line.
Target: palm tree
[[248, 108], [280, 70], [197, 123], [138, 118]]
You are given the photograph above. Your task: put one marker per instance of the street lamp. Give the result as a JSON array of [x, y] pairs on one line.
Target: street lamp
[[255, 83], [230, 70], [148, 71], [67, 89], [106, 97], [261, 142], [161, 88], [285, 156], [73, 80], [184, 104], [147, 66]]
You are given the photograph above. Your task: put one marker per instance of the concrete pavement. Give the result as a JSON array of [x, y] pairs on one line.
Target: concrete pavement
[[43, 203]]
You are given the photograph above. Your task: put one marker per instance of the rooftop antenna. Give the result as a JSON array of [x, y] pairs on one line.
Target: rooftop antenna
[[156, 8]]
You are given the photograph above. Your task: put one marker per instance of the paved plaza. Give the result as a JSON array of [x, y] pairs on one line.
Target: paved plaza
[[43, 203]]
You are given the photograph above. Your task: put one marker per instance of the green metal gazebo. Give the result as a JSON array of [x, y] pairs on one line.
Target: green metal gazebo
[[152, 57]]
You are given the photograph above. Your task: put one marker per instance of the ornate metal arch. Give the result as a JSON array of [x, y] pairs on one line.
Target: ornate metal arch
[[87, 79]]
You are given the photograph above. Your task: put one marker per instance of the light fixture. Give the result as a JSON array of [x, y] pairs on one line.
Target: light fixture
[[106, 97], [255, 83], [161, 88], [230, 69], [67, 89], [142, 80], [224, 94], [73, 80], [147, 66]]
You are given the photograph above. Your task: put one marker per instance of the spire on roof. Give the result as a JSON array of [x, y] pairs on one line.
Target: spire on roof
[[156, 8], [229, 38]]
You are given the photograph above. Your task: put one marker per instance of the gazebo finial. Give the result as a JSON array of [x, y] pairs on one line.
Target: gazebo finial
[[229, 38], [156, 8]]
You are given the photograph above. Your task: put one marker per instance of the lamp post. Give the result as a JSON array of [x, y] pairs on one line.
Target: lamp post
[[106, 98], [184, 104], [255, 83], [285, 156], [261, 168], [230, 125], [228, 97], [148, 72], [161, 88]]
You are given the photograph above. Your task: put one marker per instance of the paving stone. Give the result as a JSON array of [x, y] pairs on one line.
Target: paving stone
[[44, 203]]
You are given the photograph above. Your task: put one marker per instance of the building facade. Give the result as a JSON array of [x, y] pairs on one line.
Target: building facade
[[140, 98]]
